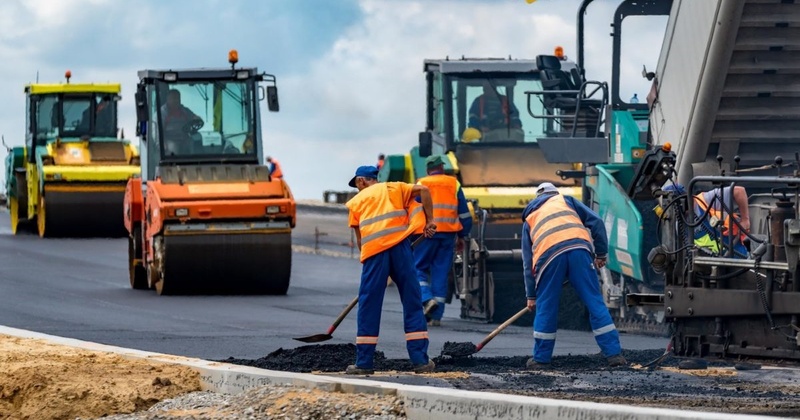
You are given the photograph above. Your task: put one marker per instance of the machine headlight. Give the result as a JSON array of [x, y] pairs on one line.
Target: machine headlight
[[181, 212], [242, 74], [170, 77], [273, 209]]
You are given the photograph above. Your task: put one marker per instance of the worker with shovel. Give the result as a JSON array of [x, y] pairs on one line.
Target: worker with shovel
[[557, 245], [383, 216]]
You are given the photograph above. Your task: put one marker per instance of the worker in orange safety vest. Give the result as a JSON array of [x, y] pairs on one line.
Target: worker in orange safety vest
[[381, 159], [275, 167], [712, 233], [383, 216], [434, 257], [563, 238]]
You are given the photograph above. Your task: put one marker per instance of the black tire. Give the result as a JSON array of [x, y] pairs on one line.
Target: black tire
[[136, 272]]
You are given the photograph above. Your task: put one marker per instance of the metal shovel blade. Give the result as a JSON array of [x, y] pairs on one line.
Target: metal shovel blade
[[316, 338], [458, 350], [653, 364], [468, 349]]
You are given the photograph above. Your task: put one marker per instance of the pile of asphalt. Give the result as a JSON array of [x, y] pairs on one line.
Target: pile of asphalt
[[336, 358]]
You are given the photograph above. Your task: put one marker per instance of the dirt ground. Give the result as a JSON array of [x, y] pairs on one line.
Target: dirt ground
[[45, 381]]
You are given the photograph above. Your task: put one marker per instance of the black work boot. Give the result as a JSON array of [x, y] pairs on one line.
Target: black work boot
[[533, 364], [426, 368], [355, 370], [618, 360], [429, 306]]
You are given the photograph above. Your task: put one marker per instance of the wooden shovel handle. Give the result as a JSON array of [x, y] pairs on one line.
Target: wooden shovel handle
[[502, 326], [342, 315], [354, 302]]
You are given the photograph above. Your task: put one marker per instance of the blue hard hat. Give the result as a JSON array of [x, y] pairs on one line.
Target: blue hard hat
[[675, 187]]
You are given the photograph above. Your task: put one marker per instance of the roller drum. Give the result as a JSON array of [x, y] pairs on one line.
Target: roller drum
[[84, 213], [226, 263]]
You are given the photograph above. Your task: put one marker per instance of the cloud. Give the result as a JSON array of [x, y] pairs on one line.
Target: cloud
[[349, 73], [366, 95]]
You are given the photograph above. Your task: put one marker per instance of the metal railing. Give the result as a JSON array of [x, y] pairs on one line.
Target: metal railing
[[581, 96]]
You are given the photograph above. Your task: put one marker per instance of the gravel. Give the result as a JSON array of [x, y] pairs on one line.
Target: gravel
[[273, 402]]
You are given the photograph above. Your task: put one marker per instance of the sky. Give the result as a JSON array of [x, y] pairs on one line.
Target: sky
[[349, 72]]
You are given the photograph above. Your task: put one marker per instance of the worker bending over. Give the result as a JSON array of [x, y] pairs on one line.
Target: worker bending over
[[556, 245], [434, 257], [383, 215]]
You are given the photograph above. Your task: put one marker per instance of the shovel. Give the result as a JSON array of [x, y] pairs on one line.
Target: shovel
[[316, 338], [653, 364], [468, 349], [327, 336]]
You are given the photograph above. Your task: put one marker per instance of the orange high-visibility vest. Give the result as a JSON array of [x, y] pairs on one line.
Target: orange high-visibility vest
[[552, 223], [383, 219], [278, 173], [444, 194], [727, 223]]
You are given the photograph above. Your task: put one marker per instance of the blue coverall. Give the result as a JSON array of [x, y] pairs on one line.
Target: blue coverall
[[571, 259], [394, 262], [434, 258]]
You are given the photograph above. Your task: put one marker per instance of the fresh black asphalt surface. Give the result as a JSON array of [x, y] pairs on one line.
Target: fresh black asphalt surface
[[79, 288]]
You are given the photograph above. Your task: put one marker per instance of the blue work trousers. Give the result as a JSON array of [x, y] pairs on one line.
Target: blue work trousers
[[577, 265], [396, 262], [434, 259]]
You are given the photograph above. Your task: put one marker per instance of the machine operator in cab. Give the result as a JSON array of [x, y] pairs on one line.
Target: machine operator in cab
[[492, 110], [176, 119]]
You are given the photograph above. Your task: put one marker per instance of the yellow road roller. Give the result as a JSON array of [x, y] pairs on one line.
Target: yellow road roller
[[69, 177]]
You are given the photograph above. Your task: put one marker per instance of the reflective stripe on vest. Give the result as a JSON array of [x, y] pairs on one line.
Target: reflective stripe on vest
[[553, 223], [382, 225], [444, 194]]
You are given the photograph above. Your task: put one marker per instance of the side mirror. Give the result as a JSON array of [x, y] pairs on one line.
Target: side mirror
[[425, 143], [141, 111], [272, 98]]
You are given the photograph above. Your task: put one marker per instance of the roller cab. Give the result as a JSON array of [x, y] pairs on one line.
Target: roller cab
[[69, 178], [498, 160], [206, 217]]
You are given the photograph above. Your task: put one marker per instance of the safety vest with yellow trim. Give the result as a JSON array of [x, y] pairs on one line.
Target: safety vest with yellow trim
[[552, 223], [383, 219], [727, 223], [444, 194]]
